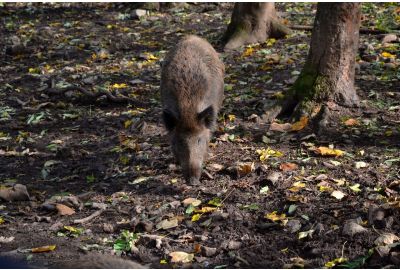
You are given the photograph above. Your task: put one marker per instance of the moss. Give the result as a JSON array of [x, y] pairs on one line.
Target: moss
[[309, 88], [238, 30], [310, 85]]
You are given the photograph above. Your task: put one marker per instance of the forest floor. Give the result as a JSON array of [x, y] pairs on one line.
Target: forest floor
[[289, 206]]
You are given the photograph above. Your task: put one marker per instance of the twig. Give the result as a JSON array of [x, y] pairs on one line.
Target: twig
[[362, 30], [89, 218]]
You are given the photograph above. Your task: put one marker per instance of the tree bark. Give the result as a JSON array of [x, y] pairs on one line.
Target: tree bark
[[328, 74], [252, 23]]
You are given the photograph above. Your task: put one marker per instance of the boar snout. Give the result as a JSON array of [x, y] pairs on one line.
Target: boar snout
[[193, 173]]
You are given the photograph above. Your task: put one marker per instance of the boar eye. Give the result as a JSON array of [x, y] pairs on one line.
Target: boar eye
[[169, 120], [206, 116], [198, 140]]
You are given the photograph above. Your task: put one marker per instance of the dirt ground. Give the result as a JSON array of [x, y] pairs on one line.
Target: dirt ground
[[78, 154]]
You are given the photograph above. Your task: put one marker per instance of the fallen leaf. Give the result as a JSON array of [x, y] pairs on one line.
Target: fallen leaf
[[305, 234], [351, 228], [196, 217], [43, 249], [388, 55], [351, 122], [335, 262], [288, 166], [280, 127], [249, 51], [206, 209], [267, 153], [386, 239], [245, 168], [360, 164], [325, 151], [4, 240], [264, 190], [302, 123], [338, 194], [215, 167], [64, 210], [167, 224], [181, 257], [355, 188], [297, 186], [276, 217], [192, 201]]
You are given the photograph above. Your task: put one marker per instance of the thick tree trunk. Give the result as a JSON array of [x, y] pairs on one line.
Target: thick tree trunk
[[328, 74], [252, 23]]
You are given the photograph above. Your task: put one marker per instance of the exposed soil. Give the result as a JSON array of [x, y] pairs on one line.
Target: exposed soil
[[98, 148]]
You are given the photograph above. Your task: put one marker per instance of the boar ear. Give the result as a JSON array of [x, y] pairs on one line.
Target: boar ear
[[206, 116], [169, 120]]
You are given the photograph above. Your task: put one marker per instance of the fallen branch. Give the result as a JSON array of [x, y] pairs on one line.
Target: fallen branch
[[362, 30], [89, 218], [94, 95]]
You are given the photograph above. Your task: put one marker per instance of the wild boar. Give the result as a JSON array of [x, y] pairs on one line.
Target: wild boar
[[192, 91]]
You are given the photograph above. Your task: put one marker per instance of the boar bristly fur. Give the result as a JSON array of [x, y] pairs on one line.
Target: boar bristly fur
[[192, 85]]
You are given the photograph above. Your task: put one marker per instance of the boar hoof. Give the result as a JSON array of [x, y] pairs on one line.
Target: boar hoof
[[194, 181]]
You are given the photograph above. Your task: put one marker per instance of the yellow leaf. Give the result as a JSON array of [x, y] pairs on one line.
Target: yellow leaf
[[43, 249], [325, 151], [196, 217], [297, 186], [271, 42], [119, 85], [334, 262], [206, 209], [278, 95], [71, 229], [1, 220], [181, 257], [355, 188], [34, 70], [300, 124], [266, 153], [275, 217], [231, 117], [388, 133], [249, 51], [127, 123], [388, 55], [163, 261], [150, 56]]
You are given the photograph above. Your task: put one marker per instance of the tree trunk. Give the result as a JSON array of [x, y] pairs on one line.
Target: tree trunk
[[328, 74], [252, 23]]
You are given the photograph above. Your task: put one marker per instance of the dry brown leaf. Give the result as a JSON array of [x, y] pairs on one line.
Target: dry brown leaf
[[245, 168], [351, 122], [64, 210], [302, 123], [280, 127], [288, 166]]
